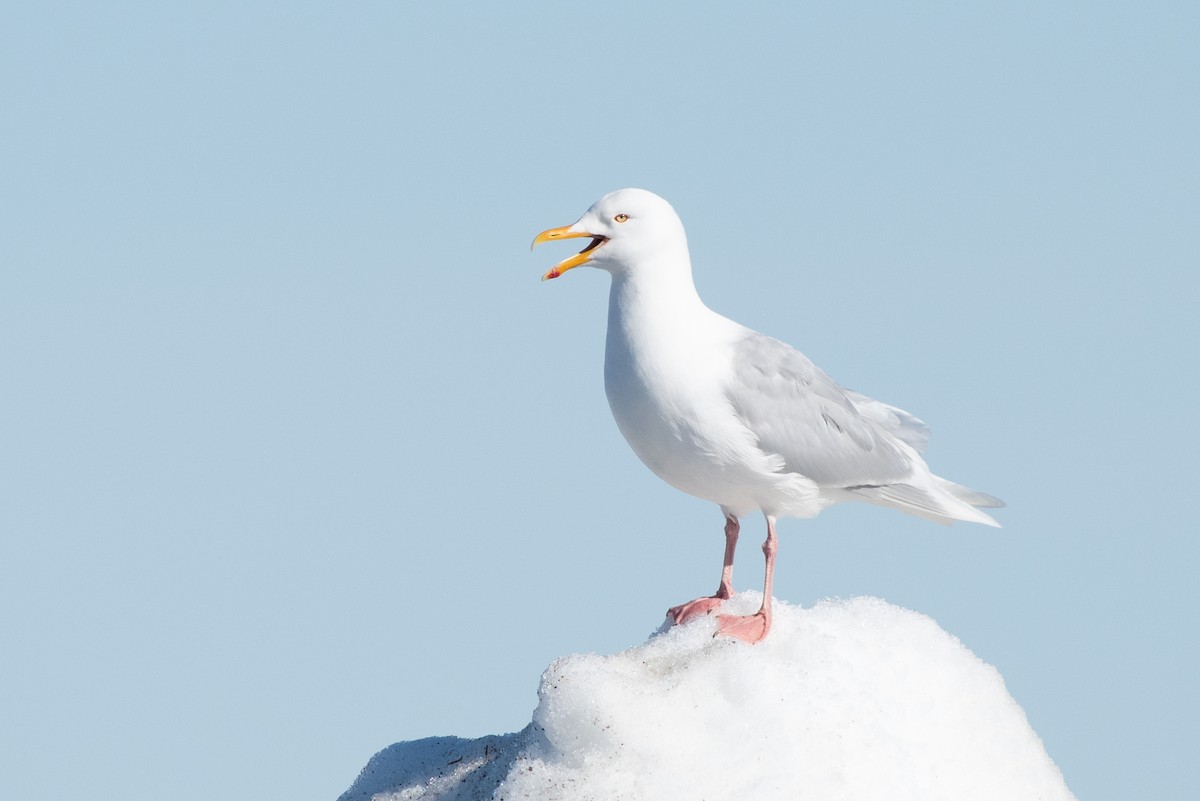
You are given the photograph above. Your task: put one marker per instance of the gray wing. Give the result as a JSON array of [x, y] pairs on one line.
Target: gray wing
[[907, 428], [819, 429]]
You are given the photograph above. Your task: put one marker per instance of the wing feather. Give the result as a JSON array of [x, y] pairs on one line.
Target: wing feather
[[817, 427], [905, 427]]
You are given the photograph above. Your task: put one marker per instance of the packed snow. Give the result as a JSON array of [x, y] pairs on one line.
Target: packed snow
[[850, 699]]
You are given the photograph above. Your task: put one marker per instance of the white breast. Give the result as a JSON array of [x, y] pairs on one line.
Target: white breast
[[663, 370]]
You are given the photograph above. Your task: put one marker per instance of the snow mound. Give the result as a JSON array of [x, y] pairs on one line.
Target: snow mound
[[854, 699]]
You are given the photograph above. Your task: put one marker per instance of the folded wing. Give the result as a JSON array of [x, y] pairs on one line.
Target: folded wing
[[834, 437]]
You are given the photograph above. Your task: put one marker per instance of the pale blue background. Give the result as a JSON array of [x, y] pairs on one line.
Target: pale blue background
[[298, 458]]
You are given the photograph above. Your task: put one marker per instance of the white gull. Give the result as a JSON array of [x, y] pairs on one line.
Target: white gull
[[733, 416]]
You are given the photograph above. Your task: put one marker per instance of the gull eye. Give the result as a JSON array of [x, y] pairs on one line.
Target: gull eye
[[621, 217]]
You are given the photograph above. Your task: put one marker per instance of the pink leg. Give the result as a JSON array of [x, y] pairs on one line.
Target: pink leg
[[753, 628], [702, 606]]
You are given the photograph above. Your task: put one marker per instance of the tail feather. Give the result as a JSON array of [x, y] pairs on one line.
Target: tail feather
[[935, 502], [973, 497]]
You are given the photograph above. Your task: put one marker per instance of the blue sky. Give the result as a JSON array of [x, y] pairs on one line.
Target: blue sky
[[298, 459]]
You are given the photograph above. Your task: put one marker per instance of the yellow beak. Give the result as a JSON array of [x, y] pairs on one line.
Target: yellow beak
[[555, 234]]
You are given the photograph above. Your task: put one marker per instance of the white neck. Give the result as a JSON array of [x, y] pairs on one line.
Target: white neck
[[656, 317], [659, 295]]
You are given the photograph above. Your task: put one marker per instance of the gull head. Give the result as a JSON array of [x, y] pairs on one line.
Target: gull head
[[630, 229]]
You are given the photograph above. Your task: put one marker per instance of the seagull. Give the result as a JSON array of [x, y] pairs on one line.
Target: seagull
[[733, 416]]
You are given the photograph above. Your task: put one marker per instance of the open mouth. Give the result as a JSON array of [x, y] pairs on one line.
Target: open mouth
[[579, 258], [596, 242]]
